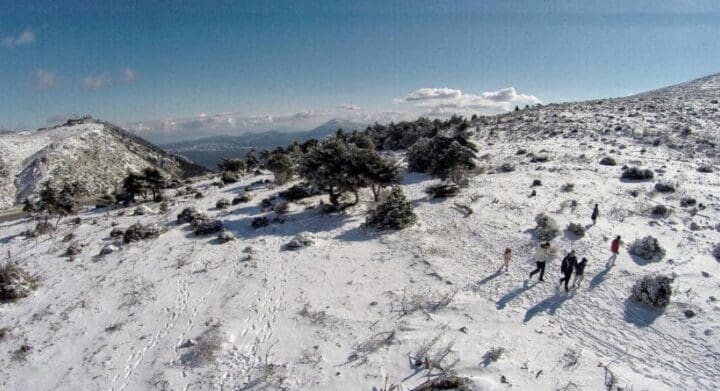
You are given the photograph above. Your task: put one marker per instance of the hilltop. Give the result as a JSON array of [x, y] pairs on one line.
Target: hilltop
[[95, 153]]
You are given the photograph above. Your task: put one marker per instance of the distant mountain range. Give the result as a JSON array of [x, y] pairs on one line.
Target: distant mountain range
[[209, 151]]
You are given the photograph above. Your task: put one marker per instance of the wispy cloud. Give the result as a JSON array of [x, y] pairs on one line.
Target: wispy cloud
[[96, 82], [128, 75], [440, 101], [432, 93], [43, 79], [24, 38], [348, 107], [105, 79]]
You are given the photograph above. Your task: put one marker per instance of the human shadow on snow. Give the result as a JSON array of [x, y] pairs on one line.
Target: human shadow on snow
[[510, 296], [548, 305], [601, 276], [487, 279], [640, 314]]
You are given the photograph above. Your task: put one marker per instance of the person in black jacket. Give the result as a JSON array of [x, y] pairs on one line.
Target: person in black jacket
[[579, 272], [595, 214], [567, 267]]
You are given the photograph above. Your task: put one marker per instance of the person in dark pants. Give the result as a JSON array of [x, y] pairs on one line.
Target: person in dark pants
[[595, 214], [541, 257], [615, 249], [579, 272], [567, 267]]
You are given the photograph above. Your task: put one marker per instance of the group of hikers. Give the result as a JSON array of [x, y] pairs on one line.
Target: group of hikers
[[569, 264]]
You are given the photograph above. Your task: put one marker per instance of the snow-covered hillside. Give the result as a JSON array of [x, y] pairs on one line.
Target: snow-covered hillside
[[353, 310], [95, 153]]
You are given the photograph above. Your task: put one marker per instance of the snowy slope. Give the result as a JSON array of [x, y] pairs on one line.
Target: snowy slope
[[331, 316], [96, 153]]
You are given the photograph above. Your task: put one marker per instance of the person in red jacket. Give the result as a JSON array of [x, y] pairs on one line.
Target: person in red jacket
[[615, 249]]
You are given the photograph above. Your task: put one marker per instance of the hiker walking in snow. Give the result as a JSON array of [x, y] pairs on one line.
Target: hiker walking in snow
[[567, 267], [506, 257], [595, 214], [543, 254], [615, 249], [579, 272]]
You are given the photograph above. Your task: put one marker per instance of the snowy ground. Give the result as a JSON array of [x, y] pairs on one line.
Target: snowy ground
[[351, 311], [330, 317]]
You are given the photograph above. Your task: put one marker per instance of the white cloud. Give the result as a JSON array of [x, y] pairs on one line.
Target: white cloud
[[96, 82], [432, 93], [128, 75], [348, 107], [44, 79], [446, 101], [24, 38]]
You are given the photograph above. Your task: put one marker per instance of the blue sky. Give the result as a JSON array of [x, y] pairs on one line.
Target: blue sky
[[233, 66]]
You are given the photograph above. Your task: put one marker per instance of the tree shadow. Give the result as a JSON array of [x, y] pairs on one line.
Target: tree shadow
[[639, 314], [412, 178], [427, 200], [641, 261], [571, 236], [548, 305], [291, 224], [517, 292], [362, 233]]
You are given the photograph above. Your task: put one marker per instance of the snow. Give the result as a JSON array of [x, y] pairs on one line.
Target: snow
[[87, 151], [349, 311]]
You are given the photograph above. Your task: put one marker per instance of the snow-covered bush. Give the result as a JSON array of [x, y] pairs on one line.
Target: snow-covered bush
[[242, 198], [444, 190], [117, 232], [660, 210], [228, 177], [225, 236], [190, 214], [608, 161], [705, 169], [687, 202], [395, 212], [576, 229], [206, 226], [716, 252], [568, 187], [109, 249], [506, 167], [15, 283], [300, 240], [664, 187], [540, 158], [536, 182], [547, 229], [281, 208], [653, 290], [647, 248], [137, 232], [637, 174], [260, 222], [73, 249], [297, 192], [222, 203]]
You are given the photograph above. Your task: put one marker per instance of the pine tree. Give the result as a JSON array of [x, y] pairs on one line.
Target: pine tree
[[395, 213], [232, 165], [282, 167]]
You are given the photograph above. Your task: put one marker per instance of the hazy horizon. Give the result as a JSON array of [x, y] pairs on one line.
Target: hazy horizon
[[183, 70]]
